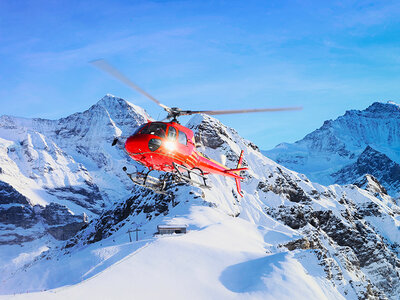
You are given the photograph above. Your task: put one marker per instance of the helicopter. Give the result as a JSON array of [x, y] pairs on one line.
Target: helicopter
[[170, 148]]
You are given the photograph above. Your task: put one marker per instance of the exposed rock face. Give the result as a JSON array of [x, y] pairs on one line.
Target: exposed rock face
[[67, 231], [303, 244], [8, 195], [20, 216], [370, 184], [56, 214], [372, 162], [359, 247], [36, 220], [285, 185], [144, 202], [15, 211], [89, 196]]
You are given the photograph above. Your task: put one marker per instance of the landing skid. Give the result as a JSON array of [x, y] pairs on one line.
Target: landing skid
[[188, 177], [181, 174], [148, 182]]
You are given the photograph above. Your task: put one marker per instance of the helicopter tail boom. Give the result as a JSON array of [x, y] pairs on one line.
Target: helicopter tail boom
[[237, 171], [210, 166]]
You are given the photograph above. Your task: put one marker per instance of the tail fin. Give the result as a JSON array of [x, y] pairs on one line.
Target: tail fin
[[237, 180]]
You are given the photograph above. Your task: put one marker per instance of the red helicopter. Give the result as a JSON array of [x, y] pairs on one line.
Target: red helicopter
[[170, 147]]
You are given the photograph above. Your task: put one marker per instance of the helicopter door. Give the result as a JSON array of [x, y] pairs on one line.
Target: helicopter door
[[182, 138], [182, 145]]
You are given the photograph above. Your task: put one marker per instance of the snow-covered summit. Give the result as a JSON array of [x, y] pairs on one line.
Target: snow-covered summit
[[393, 103], [121, 110], [378, 110]]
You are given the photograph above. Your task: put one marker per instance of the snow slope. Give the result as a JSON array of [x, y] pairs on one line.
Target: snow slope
[[287, 238]]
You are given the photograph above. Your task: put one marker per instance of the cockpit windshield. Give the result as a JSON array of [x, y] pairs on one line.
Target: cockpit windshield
[[157, 129], [139, 128]]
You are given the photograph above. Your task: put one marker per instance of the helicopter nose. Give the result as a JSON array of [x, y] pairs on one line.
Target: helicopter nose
[[132, 145], [136, 144]]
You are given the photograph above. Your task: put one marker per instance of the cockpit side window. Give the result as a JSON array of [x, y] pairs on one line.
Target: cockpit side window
[[157, 129], [171, 133], [182, 138]]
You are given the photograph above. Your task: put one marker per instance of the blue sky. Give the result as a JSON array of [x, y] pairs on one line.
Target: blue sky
[[327, 56]]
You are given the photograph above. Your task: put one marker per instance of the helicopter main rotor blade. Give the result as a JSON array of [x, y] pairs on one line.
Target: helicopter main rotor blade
[[238, 111], [106, 67]]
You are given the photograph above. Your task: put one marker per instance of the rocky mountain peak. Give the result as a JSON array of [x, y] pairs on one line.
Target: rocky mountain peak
[[370, 155], [370, 184], [112, 103], [119, 108], [372, 162], [377, 109]]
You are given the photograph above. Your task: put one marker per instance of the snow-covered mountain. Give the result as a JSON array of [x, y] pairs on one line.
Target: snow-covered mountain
[[68, 163], [344, 149], [287, 238]]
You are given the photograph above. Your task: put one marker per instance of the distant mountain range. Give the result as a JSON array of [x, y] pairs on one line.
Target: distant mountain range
[[342, 150]]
